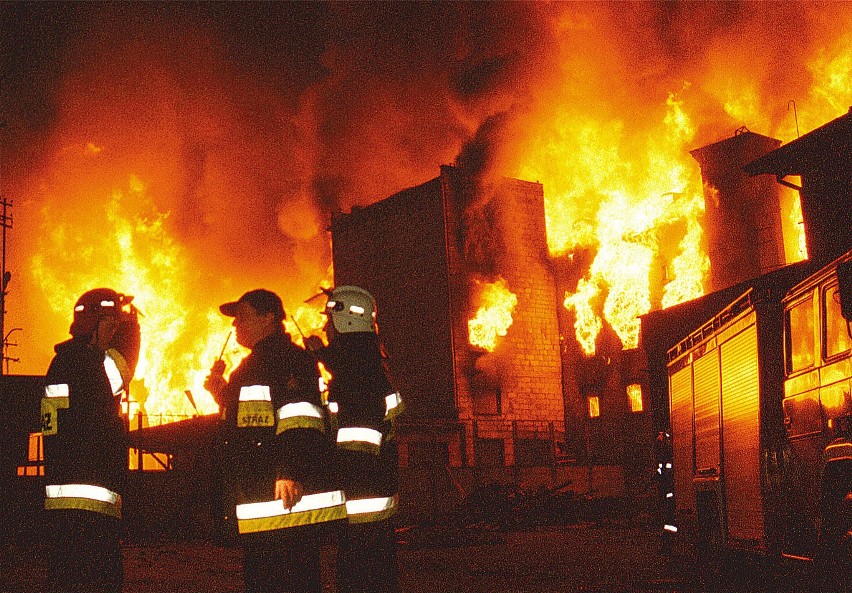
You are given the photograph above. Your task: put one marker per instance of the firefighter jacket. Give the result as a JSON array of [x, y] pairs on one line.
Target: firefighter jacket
[[85, 444], [275, 427], [366, 409], [840, 449]]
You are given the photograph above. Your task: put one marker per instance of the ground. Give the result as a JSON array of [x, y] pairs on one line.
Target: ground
[[612, 557]]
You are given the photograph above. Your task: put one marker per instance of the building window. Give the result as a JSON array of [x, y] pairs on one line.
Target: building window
[[35, 456], [594, 406], [150, 462], [634, 396]]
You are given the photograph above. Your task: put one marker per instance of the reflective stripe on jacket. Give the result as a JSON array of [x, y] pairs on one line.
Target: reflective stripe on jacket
[[299, 415], [370, 510], [254, 407], [393, 406], [254, 517], [55, 398], [84, 497], [838, 450], [359, 438]]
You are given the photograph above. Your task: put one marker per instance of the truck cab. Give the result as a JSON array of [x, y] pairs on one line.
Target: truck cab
[[817, 400]]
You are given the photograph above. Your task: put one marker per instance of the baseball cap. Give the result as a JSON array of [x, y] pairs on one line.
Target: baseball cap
[[261, 300]]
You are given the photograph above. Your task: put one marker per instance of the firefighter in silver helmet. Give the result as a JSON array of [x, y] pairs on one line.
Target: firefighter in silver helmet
[[277, 451], [85, 446], [366, 406]]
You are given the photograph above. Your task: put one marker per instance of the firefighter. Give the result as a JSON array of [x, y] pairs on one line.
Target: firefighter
[[664, 476], [366, 407], [85, 444], [278, 450], [835, 535]]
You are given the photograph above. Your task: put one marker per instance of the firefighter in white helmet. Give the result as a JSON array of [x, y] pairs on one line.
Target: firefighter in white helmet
[[366, 406], [85, 446]]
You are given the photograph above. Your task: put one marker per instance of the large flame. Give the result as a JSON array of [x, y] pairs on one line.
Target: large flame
[[217, 154], [494, 316], [634, 204], [133, 254], [132, 251]]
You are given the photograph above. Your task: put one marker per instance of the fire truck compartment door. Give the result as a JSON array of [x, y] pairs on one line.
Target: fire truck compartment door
[[707, 399], [741, 436]]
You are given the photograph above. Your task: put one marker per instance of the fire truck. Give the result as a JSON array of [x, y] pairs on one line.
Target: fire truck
[[757, 394]]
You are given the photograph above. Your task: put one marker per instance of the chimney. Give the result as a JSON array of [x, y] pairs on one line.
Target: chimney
[[742, 213]]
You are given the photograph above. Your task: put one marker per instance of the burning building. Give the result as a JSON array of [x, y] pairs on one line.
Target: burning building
[[467, 312], [213, 158]]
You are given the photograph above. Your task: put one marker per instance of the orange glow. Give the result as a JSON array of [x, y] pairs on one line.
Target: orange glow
[[171, 171], [133, 251], [634, 397], [594, 406], [634, 198], [799, 241], [494, 316], [617, 189], [137, 256]]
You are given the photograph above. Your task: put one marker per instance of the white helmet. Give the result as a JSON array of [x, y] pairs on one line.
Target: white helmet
[[351, 309]]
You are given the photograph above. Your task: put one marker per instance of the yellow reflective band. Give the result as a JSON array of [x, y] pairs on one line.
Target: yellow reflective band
[[393, 405], [363, 439], [58, 390], [271, 515], [83, 497], [252, 414], [120, 364], [370, 510], [116, 381], [299, 415], [55, 398], [838, 451], [299, 409], [258, 393]]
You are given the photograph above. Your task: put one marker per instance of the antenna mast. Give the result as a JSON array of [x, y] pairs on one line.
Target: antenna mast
[[5, 276]]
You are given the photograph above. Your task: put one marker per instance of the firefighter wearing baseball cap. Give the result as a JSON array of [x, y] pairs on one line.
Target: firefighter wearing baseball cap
[[366, 406], [277, 449], [85, 446]]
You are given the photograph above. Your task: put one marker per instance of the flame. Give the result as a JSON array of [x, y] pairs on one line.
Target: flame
[[605, 128], [633, 205], [181, 337], [494, 316]]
